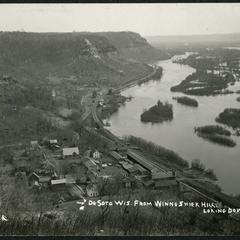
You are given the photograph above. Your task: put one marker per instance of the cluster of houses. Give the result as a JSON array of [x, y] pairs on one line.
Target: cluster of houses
[[131, 168], [96, 170]]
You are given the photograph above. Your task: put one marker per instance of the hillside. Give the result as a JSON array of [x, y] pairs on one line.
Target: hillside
[[89, 57], [132, 45]]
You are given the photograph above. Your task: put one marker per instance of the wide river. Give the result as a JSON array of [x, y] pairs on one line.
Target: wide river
[[178, 134]]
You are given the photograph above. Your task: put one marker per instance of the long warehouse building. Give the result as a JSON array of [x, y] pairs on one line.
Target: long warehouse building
[[141, 160]]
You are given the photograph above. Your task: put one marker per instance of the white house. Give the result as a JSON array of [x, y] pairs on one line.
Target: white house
[[96, 154], [69, 152], [53, 141], [34, 144], [92, 190]]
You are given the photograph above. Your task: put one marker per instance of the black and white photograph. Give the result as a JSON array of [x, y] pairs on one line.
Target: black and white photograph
[[120, 119]]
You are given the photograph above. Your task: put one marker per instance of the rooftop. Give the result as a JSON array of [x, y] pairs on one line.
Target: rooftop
[[58, 181], [70, 151], [89, 162], [116, 155], [44, 178], [140, 159], [140, 168], [92, 187], [160, 175]]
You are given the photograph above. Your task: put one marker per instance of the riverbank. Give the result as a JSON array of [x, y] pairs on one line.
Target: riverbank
[[134, 82]]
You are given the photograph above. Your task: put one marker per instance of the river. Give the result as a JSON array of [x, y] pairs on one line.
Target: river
[[178, 134]]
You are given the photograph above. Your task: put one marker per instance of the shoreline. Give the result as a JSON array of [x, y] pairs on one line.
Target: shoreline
[[134, 82]]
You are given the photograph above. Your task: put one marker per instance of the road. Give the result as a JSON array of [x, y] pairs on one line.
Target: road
[[85, 102]]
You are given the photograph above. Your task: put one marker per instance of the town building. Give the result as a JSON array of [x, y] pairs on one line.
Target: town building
[[90, 164], [39, 180], [141, 160], [53, 141], [53, 144], [44, 181], [141, 169], [130, 168], [96, 154], [32, 179], [116, 156], [104, 165], [163, 175], [92, 190], [70, 152], [34, 145], [75, 191], [59, 184]]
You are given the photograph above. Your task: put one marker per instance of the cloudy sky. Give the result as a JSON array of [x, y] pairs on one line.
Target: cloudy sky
[[147, 19]]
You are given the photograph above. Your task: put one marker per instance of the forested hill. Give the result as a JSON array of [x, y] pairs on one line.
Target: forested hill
[[50, 47], [133, 45], [86, 56], [43, 53]]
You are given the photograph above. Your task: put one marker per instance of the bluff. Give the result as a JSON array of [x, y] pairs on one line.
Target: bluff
[[105, 58], [133, 46]]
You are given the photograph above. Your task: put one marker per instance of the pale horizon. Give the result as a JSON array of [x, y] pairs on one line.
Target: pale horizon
[[173, 19]]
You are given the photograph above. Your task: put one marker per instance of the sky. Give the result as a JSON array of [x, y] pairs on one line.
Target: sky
[[146, 19]]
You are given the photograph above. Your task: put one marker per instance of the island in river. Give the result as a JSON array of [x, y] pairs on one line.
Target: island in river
[[187, 101], [216, 134], [230, 117], [204, 84], [158, 113]]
